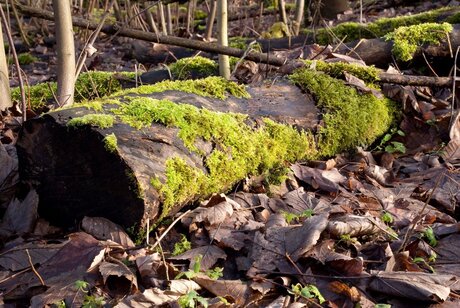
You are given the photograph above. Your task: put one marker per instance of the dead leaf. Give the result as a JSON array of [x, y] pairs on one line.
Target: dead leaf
[[318, 179], [360, 85], [355, 226], [210, 256], [9, 176], [339, 263], [20, 216], [183, 286], [153, 297], [117, 270], [416, 286], [103, 229]]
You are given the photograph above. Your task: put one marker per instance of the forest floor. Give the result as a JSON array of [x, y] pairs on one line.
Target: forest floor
[[375, 228]]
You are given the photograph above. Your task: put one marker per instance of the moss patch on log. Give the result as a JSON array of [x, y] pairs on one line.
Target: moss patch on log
[[111, 143], [351, 31], [96, 119], [213, 86], [369, 74], [350, 118], [408, 39]]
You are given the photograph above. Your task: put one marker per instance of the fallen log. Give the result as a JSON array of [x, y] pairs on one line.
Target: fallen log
[[143, 155]]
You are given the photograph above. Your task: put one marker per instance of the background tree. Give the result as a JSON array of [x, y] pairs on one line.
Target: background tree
[[222, 37], [5, 98], [65, 52]]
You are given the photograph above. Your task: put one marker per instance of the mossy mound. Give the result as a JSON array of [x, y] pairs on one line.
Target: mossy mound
[[350, 118], [351, 31], [368, 74], [193, 67], [408, 39], [89, 85]]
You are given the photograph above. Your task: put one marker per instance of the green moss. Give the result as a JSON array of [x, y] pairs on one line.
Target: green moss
[[99, 120], [350, 118], [215, 86], [408, 39], [186, 68], [89, 85], [368, 74], [277, 30], [200, 14], [24, 59], [239, 150], [110, 143], [350, 31]]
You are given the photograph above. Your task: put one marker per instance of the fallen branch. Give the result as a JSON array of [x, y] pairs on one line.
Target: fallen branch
[[371, 51]]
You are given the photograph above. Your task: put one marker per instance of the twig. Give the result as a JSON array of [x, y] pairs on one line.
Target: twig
[[163, 258], [169, 228], [33, 268], [16, 62]]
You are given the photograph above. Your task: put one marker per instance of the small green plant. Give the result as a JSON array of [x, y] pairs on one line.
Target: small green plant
[[347, 239], [191, 273], [424, 262], [291, 216], [393, 146], [387, 218], [309, 291], [89, 301], [215, 273], [429, 236], [182, 246], [191, 300], [60, 304]]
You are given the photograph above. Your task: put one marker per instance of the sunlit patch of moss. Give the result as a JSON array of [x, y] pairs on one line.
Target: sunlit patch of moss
[[89, 86], [24, 59], [240, 150], [96, 119], [350, 118], [408, 39], [200, 14], [110, 143], [277, 30], [350, 31], [194, 66], [369, 74], [214, 86]]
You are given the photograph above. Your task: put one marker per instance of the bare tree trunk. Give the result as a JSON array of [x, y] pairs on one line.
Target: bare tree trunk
[[162, 18], [222, 37], [299, 8], [150, 21], [282, 9], [211, 19], [65, 52], [169, 19], [5, 100]]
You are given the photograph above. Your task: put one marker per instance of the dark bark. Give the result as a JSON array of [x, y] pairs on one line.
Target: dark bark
[[76, 176]]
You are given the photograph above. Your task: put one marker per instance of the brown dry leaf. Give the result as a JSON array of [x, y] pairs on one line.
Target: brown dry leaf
[[319, 179], [299, 201], [16, 259], [338, 57], [451, 151], [103, 229], [20, 216], [9, 176], [448, 251], [153, 297], [402, 262], [355, 226], [210, 255], [235, 291], [217, 213], [402, 94], [299, 241], [247, 72], [152, 270], [117, 270], [360, 85], [341, 288], [416, 286], [339, 263], [71, 263], [183, 286]]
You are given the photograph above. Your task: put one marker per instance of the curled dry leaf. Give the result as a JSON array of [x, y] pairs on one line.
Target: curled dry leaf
[[117, 270], [20, 216], [340, 263], [326, 180], [9, 176], [354, 226], [183, 286], [103, 229], [153, 297]]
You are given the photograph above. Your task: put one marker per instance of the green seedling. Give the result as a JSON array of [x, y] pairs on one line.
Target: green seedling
[[182, 246], [387, 218], [429, 236], [309, 291], [291, 216], [191, 300], [393, 146]]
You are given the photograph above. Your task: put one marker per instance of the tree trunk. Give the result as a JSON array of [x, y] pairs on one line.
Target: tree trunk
[[222, 38], [210, 20], [299, 8], [5, 100], [65, 52]]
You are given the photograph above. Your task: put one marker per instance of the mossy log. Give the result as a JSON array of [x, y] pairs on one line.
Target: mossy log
[[146, 152], [81, 171]]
